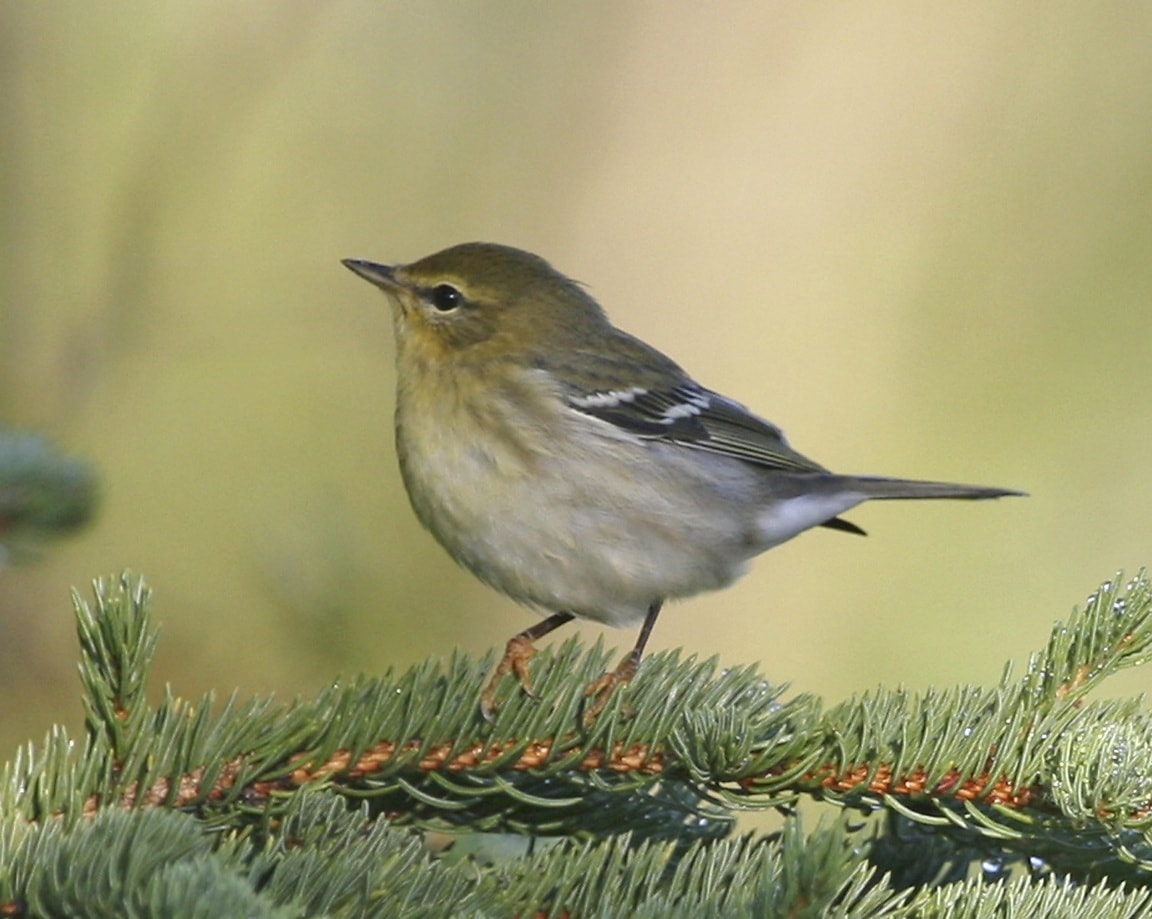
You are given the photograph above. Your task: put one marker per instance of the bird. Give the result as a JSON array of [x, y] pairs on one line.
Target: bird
[[577, 469]]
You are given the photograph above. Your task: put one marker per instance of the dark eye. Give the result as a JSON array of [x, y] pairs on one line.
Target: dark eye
[[445, 297]]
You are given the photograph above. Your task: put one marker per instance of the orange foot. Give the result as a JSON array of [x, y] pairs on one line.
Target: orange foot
[[600, 689], [517, 653]]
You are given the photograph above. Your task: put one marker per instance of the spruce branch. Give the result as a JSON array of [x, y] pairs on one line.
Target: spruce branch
[[44, 494], [1030, 771]]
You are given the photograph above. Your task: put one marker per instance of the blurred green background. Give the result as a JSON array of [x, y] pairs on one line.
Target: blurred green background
[[918, 237]]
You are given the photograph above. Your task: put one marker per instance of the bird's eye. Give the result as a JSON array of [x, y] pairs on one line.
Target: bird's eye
[[445, 297]]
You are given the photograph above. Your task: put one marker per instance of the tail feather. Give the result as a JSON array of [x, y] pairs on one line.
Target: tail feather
[[844, 526], [817, 499], [878, 488]]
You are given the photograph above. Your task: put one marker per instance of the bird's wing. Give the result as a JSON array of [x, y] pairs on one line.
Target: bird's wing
[[684, 413]]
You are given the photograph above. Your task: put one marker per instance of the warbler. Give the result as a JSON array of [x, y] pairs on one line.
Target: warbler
[[577, 469]]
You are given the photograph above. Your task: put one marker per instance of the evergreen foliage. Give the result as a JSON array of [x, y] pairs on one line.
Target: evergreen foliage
[[1024, 798], [43, 493]]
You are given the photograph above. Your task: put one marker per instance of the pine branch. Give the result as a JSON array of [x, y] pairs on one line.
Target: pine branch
[[43, 493], [1028, 770], [341, 862]]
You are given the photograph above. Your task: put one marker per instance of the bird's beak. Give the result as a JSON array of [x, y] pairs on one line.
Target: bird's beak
[[383, 276]]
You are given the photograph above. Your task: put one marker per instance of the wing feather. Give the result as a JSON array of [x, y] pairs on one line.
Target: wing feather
[[689, 415]]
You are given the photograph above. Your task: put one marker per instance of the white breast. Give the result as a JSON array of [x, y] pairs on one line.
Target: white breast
[[588, 521]]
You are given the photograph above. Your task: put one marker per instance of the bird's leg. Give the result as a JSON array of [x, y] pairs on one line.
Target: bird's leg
[[600, 689], [517, 653]]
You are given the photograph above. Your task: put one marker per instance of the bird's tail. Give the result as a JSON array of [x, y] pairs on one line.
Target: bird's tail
[[878, 488]]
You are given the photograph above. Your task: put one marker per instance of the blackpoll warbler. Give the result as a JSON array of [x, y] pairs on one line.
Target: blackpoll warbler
[[576, 468]]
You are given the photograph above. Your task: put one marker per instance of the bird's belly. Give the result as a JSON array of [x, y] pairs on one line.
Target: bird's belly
[[602, 538]]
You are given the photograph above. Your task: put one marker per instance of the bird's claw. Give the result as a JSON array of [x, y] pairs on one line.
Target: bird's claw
[[600, 689], [517, 653]]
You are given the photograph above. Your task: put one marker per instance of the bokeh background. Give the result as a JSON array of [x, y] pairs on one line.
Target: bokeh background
[[918, 237]]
